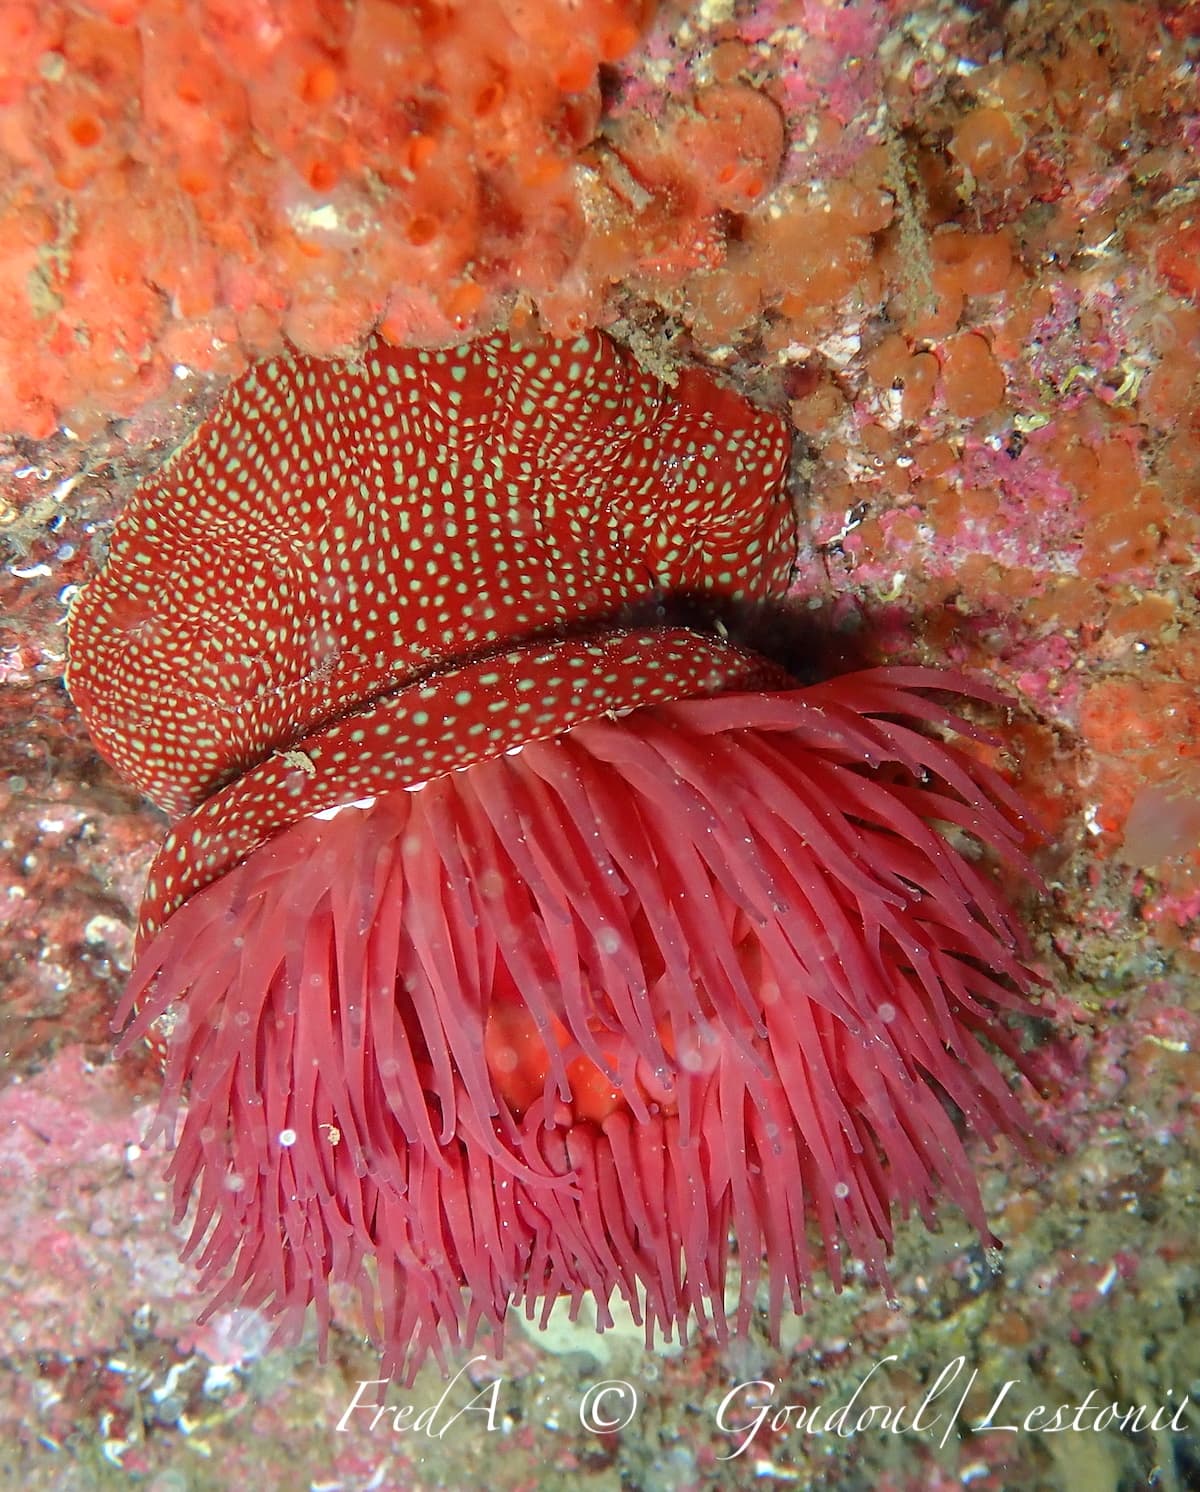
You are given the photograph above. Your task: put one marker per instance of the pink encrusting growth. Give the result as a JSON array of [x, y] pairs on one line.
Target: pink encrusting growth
[[510, 950]]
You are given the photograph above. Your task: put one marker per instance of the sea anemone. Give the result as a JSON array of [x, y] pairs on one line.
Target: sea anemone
[[531, 953]]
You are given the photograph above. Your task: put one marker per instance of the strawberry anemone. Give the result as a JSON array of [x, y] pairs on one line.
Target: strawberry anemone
[[535, 954]]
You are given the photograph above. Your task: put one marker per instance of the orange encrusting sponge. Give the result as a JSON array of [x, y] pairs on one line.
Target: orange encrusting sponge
[[189, 179]]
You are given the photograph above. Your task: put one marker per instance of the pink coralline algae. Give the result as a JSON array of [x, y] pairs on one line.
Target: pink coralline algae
[[516, 945]]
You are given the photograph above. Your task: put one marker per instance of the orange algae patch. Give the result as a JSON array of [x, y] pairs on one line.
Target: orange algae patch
[[576, 70], [818, 252], [1122, 533], [988, 145], [913, 375], [975, 263], [887, 364], [805, 255], [817, 410], [1143, 732], [1164, 820], [721, 302], [737, 137], [962, 265], [972, 383], [657, 206], [1122, 514], [1019, 88], [938, 317], [1178, 256], [1143, 621], [935, 458], [1032, 748], [1066, 604]]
